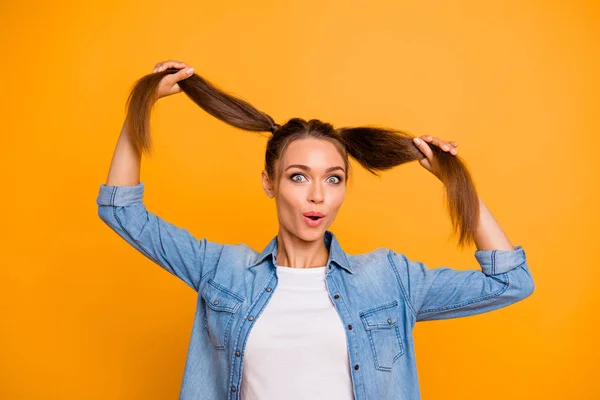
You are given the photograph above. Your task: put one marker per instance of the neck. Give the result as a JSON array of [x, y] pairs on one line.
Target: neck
[[295, 252]]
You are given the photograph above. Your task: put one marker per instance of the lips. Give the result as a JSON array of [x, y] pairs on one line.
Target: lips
[[313, 218], [314, 215]]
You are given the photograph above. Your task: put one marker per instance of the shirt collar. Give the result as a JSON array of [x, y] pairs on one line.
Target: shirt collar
[[336, 254]]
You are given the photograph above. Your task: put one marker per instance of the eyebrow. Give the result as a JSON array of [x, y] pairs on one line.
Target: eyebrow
[[307, 168]]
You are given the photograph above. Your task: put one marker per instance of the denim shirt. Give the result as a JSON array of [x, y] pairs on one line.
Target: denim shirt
[[379, 296]]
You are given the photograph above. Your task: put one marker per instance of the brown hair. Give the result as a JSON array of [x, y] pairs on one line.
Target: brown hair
[[375, 148]]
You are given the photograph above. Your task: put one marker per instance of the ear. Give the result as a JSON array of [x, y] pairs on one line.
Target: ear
[[266, 184]]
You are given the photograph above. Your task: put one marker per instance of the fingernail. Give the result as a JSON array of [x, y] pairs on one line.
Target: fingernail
[[417, 140], [445, 147], [189, 71]]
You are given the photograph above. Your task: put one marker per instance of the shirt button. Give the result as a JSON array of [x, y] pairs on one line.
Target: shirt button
[[350, 327], [216, 302], [356, 366], [389, 320], [269, 289], [251, 318], [237, 353], [233, 389], [337, 296]]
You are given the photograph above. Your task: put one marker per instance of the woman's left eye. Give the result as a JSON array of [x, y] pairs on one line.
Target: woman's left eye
[[339, 180]]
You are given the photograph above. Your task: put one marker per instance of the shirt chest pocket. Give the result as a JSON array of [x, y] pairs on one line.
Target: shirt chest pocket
[[384, 333], [221, 305]]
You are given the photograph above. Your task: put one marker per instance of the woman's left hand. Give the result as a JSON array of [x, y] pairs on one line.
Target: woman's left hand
[[429, 162]]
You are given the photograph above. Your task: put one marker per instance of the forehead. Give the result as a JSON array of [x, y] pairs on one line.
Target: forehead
[[316, 153]]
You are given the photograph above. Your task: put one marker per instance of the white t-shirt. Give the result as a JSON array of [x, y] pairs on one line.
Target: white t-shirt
[[297, 348]]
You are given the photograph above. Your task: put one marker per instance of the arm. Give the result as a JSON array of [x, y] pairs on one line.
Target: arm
[[442, 293], [121, 207], [489, 235], [125, 164]]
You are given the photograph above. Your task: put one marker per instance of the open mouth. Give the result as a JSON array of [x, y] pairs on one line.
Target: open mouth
[[313, 218]]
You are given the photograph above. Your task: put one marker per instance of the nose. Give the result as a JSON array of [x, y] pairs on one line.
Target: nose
[[315, 194]]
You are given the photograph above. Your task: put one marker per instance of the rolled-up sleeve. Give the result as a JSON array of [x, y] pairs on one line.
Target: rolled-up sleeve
[[171, 247], [442, 293]]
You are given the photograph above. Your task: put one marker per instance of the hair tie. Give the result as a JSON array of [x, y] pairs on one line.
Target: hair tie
[[274, 128]]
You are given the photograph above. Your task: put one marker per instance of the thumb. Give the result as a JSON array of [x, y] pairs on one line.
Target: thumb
[[424, 147], [182, 74]]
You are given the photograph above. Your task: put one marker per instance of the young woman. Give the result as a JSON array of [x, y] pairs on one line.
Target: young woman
[[303, 319]]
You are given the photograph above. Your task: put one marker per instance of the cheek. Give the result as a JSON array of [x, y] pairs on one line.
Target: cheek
[[292, 194], [338, 197], [289, 200]]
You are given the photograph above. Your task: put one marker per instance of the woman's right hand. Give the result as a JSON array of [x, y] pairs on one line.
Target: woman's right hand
[[168, 85]]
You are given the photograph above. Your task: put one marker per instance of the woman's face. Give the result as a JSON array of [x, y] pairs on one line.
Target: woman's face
[[311, 177]]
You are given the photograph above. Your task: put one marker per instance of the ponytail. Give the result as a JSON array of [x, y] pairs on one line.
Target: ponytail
[[378, 149], [231, 110]]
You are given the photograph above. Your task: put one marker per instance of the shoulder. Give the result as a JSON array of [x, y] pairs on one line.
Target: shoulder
[[377, 259], [382, 260], [380, 253], [240, 253], [377, 254]]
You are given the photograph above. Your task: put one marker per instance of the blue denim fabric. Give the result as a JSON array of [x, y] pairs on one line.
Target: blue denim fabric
[[378, 295]]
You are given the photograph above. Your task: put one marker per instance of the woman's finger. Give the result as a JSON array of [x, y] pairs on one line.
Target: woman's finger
[[164, 66], [438, 142], [449, 147], [432, 140], [168, 64], [159, 65], [171, 64], [424, 147], [181, 74]]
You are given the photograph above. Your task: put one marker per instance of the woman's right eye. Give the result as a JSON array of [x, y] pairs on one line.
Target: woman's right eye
[[295, 175]]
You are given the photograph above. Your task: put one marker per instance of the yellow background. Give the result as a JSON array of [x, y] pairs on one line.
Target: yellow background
[[516, 83]]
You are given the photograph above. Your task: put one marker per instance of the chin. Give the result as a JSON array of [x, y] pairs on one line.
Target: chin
[[307, 233], [310, 234]]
